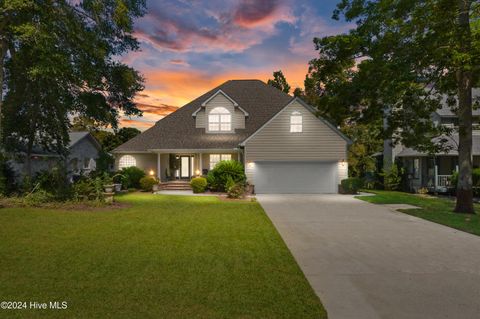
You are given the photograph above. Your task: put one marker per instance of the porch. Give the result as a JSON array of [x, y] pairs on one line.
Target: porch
[[177, 165], [433, 173]]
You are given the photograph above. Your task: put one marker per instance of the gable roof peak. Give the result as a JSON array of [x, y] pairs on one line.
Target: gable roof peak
[[217, 93]]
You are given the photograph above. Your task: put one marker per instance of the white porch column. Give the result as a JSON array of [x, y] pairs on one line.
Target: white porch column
[[159, 167], [436, 177], [200, 163]]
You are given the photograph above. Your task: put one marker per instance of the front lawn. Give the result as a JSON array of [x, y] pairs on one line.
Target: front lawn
[[437, 210], [161, 257]]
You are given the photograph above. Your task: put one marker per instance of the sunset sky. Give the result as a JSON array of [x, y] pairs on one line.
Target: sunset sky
[[190, 46]]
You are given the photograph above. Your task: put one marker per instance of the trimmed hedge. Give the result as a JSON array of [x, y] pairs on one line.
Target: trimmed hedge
[[147, 182], [351, 185], [199, 184]]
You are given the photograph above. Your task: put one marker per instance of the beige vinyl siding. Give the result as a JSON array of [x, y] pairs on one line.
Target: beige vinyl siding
[[206, 158], [275, 142], [146, 162], [238, 120], [200, 119], [238, 117]]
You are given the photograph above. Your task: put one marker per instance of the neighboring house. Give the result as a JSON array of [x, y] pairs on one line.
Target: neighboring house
[[285, 147], [433, 171], [83, 153]]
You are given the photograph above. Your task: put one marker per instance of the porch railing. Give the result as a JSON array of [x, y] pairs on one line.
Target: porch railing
[[444, 180]]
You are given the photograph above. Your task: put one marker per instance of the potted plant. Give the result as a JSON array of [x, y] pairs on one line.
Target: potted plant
[[108, 183], [117, 182]]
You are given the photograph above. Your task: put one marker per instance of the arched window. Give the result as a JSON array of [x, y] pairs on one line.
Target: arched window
[[296, 122], [219, 119], [126, 161]]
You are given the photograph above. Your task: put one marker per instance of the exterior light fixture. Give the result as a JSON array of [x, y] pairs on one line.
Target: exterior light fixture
[[152, 172], [250, 164], [197, 172]]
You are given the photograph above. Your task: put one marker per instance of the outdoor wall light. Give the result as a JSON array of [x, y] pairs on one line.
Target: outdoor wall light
[[152, 172], [197, 172], [251, 164]]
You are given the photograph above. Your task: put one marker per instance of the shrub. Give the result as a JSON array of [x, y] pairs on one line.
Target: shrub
[[392, 178], [199, 184], [83, 189], [8, 184], [38, 197], [131, 177], [224, 171], [55, 182], [351, 185], [236, 191], [147, 182]]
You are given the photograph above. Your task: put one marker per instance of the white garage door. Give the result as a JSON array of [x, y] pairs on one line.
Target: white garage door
[[295, 177]]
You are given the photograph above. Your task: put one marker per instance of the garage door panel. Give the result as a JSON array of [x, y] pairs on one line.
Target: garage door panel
[[295, 177]]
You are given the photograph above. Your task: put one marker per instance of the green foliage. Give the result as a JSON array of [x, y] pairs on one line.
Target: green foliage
[[367, 140], [8, 183], [198, 184], [54, 182], [38, 198], [147, 182], [230, 183], [218, 177], [104, 161], [59, 59], [475, 178], [392, 178], [351, 185], [420, 54], [131, 177], [279, 81], [237, 190], [83, 189]]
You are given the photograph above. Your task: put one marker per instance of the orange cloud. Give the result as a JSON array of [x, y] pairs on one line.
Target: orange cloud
[[170, 88]]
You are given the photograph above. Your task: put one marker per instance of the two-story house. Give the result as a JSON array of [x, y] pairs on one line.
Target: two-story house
[[434, 171], [284, 145]]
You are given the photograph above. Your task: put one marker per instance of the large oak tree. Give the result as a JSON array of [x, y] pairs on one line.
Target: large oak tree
[[60, 59], [403, 60]]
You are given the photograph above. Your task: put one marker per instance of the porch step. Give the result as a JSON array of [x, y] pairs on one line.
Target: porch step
[[175, 186]]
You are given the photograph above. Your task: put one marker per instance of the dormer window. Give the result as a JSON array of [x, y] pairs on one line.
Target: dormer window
[[219, 120], [296, 122]]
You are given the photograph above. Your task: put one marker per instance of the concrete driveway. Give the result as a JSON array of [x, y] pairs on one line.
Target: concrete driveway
[[368, 261]]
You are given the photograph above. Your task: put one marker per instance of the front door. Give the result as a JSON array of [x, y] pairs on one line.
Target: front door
[[185, 167]]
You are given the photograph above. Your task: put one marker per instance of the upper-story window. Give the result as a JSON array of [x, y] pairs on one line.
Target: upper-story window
[[219, 120], [296, 122]]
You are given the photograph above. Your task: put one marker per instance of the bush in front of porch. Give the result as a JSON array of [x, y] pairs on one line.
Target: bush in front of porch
[[219, 176]]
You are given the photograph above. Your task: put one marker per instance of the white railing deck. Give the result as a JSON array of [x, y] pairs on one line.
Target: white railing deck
[[444, 180]]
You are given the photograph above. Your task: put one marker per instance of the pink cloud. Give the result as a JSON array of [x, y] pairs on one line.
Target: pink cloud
[[236, 28]]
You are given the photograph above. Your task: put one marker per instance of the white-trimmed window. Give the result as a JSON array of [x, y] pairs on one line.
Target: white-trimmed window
[[219, 120], [216, 158], [126, 161], [296, 122]]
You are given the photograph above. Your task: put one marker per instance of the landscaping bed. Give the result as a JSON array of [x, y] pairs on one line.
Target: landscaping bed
[[159, 257], [438, 210]]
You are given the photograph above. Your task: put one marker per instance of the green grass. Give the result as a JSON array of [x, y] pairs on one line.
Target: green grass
[[163, 257], [437, 210]]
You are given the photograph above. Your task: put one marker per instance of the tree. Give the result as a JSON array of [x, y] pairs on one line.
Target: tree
[[367, 140], [402, 59], [279, 82], [58, 59]]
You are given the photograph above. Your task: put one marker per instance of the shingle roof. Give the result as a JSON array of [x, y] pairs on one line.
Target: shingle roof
[[177, 130], [445, 110], [452, 142]]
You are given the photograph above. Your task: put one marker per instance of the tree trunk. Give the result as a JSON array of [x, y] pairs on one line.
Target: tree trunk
[[28, 160], [464, 82], [3, 53]]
